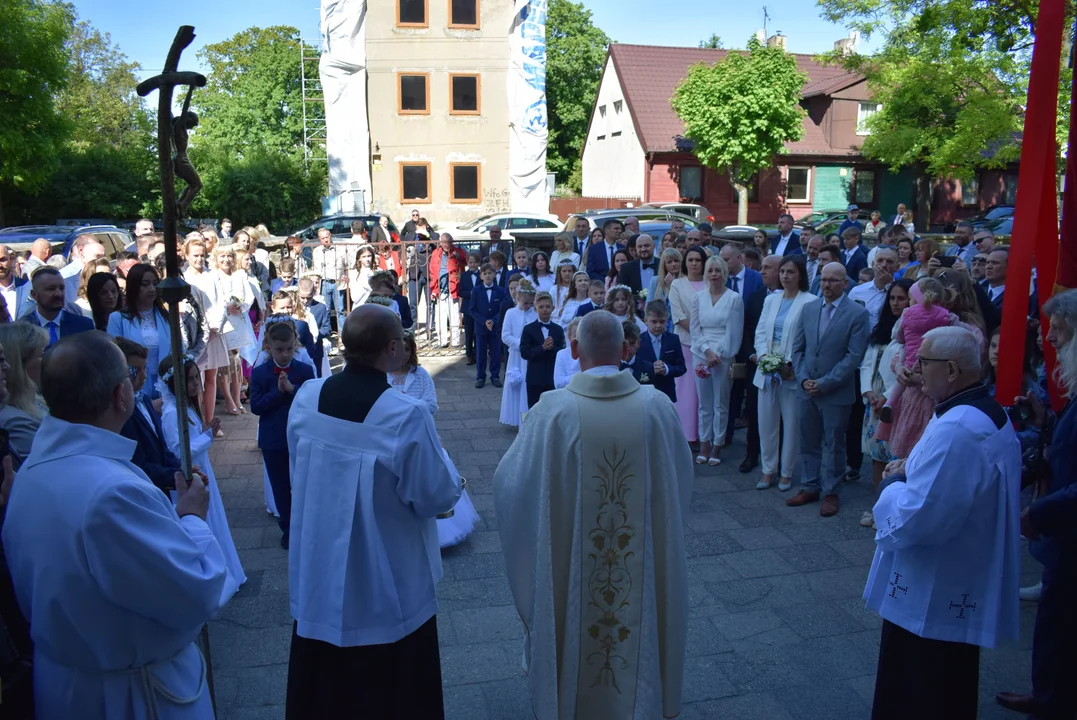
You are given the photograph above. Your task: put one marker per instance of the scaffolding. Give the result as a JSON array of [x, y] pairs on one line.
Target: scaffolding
[[314, 134]]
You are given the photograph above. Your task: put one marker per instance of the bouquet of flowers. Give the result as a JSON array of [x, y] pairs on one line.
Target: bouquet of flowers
[[702, 371], [771, 363], [643, 294]]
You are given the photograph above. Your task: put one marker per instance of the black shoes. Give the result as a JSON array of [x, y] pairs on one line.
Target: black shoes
[[749, 464], [284, 541], [470, 360], [480, 383], [496, 382]]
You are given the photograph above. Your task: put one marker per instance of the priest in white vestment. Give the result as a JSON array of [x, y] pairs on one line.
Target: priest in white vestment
[[947, 563], [592, 528], [369, 477], [116, 583]]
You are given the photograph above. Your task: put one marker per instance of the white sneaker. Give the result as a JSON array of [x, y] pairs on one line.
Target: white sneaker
[[333, 351], [1031, 593], [867, 519]]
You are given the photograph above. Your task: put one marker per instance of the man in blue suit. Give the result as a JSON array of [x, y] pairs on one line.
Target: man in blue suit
[[48, 293], [321, 318], [468, 280], [855, 255], [144, 426], [659, 359], [786, 241], [273, 387], [600, 256], [742, 279], [487, 301]]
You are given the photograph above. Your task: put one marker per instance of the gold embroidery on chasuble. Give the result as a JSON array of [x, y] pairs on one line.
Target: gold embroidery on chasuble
[[613, 497]]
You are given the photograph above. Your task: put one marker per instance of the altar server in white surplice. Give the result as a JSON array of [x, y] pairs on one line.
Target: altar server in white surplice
[[115, 581], [592, 528], [947, 562], [368, 480]]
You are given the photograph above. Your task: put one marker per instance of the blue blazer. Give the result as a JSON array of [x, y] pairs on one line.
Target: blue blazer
[[540, 363], [792, 248], [468, 282], [73, 323], [598, 265], [480, 309], [321, 316], [271, 405], [151, 456], [672, 356], [856, 263], [752, 282], [585, 308], [119, 325]]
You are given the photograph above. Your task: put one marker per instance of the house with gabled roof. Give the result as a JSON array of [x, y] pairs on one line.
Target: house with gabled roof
[[635, 148]]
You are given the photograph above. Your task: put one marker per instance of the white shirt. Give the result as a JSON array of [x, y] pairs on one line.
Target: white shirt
[[417, 384], [740, 281], [564, 367], [330, 263], [11, 298], [872, 297], [783, 242], [994, 292], [45, 323]]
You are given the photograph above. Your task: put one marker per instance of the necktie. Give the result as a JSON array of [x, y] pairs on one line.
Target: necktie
[[609, 254], [277, 369], [735, 282], [656, 344], [54, 333], [828, 314]]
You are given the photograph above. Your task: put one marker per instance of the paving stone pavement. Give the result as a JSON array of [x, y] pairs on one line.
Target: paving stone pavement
[[777, 629]]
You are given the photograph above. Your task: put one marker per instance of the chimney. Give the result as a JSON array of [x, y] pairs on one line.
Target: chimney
[[776, 40], [847, 46]]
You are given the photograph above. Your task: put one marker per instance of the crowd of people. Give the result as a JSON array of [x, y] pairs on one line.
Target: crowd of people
[[825, 350]]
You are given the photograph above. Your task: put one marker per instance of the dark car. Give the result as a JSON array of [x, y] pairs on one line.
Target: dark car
[[828, 217], [341, 226], [114, 239], [645, 215], [980, 219]]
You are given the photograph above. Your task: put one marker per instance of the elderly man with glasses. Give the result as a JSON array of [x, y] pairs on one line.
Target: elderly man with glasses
[[948, 548]]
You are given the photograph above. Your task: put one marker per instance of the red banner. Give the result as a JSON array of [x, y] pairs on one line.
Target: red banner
[[1035, 228]]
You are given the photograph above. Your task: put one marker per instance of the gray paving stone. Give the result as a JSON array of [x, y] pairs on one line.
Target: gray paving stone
[[703, 640], [711, 568], [474, 566], [477, 662], [740, 593], [824, 701], [465, 702], [508, 699], [485, 542], [755, 706], [758, 563], [711, 543], [859, 551], [487, 624], [738, 626], [811, 620], [759, 538], [711, 521], [809, 558]]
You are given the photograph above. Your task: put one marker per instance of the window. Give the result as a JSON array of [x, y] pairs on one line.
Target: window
[[864, 190], [465, 182], [863, 112], [970, 191], [798, 185], [464, 14], [415, 182], [464, 90], [546, 224], [1011, 189], [616, 122], [600, 126], [414, 94], [690, 183], [753, 189], [411, 13]]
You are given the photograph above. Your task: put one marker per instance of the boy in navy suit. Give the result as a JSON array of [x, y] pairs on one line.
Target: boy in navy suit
[[659, 359], [538, 346], [632, 338], [273, 386], [501, 275], [487, 302], [469, 280], [596, 291]]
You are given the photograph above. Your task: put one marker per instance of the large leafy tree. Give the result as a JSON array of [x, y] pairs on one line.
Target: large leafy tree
[[952, 80], [575, 52], [33, 69], [739, 112], [254, 96]]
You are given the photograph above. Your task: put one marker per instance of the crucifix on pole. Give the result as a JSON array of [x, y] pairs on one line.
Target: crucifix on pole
[[173, 289]]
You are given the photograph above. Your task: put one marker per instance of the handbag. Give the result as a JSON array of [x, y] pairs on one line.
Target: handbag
[[738, 371]]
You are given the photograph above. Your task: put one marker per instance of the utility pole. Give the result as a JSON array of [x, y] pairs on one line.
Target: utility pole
[[765, 18]]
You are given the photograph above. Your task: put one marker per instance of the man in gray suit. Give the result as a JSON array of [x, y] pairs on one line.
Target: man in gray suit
[[828, 347]]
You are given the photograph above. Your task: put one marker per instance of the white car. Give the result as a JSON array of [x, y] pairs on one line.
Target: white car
[[513, 225]]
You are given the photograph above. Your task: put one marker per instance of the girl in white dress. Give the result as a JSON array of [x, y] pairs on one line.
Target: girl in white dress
[[565, 366], [576, 296], [201, 438], [619, 302], [359, 276], [514, 395], [563, 284], [413, 380], [540, 273]]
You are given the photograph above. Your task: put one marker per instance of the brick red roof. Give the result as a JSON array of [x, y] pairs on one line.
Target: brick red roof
[[649, 75]]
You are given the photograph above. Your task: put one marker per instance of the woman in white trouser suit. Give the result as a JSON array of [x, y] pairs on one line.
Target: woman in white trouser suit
[[778, 409], [717, 325]]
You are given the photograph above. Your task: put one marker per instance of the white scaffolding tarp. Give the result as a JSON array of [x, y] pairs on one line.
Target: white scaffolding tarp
[[528, 132], [343, 74]]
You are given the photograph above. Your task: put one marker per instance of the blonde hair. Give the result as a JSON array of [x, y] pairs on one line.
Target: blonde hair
[[932, 291], [20, 340], [562, 241], [542, 296], [718, 262], [661, 290]]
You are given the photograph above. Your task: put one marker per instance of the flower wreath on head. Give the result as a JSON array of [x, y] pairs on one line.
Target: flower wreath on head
[[526, 287], [167, 377], [619, 287]]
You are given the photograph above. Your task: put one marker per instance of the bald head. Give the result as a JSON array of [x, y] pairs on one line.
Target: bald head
[[92, 251], [832, 281], [41, 249], [600, 340], [733, 256], [83, 380], [372, 337]]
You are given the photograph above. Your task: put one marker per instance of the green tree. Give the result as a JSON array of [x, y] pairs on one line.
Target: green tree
[[952, 80], [713, 42], [33, 69], [739, 113], [575, 53], [263, 186], [254, 95]]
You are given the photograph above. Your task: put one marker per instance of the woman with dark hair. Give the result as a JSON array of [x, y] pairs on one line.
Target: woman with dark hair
[[412, 379], [878, 379], [761, 242], [144, 320], [539, 272], [682, 292], [103, 295], [620, 257], [906, 252], [779, 408]]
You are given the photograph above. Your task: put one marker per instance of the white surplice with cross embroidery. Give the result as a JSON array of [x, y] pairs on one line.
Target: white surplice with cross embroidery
[[947, 558]]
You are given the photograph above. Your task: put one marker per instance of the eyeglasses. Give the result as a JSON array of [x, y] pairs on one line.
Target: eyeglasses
[[921, 361], [979, 240]]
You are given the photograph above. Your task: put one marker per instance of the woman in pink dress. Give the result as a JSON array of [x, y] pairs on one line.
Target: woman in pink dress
[[681, 293]]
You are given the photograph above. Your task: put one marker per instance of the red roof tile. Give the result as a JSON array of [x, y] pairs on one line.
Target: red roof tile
[[649, 75]]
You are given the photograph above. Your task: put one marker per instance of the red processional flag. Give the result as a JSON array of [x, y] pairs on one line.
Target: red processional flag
[[1035, 228]]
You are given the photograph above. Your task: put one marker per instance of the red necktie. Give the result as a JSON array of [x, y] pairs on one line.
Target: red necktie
[[277, 369]]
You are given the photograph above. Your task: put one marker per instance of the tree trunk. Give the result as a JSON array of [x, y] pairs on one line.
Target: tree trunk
[[742, 204], [923, 199]]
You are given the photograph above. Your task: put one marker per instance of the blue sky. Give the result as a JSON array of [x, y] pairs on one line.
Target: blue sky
[[144, 29]]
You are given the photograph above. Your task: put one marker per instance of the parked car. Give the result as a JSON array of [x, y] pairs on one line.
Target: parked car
[[829, 217], [19, 239], [529, 227], [980, 219], [341, 226], [596, 218], [700, 213], [1002, 228]]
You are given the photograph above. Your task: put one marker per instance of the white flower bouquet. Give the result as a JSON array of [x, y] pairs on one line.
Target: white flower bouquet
[[771, 363], [643, 294]]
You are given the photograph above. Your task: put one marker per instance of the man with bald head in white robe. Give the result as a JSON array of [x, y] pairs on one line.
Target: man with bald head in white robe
[[591, 511]]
